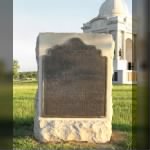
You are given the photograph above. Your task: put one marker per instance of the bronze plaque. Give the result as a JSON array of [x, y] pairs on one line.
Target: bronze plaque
[[74, 76]]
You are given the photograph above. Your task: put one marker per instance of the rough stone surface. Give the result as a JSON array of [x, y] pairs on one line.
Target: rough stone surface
[[93, 131]]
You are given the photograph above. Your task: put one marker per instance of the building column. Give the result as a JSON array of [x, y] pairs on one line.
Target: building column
[[117, 46], [134, 50], [124, 45]]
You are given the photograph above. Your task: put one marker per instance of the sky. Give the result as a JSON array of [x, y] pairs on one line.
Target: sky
[[30, 17]]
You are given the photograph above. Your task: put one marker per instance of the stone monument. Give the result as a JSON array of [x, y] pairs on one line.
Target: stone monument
[[74, 98]]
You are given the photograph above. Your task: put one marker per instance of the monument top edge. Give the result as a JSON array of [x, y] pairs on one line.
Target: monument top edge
[[47, 40], [41, 34]]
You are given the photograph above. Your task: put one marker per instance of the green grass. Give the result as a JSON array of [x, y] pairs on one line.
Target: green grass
[[23, 104]]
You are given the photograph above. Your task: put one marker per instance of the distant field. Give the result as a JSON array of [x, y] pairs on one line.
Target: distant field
[[23, 105]]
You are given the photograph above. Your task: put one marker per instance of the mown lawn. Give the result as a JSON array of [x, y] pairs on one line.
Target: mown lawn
[[23, 111]]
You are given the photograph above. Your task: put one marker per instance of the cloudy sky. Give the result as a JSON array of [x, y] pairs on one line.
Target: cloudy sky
[[34, 16]]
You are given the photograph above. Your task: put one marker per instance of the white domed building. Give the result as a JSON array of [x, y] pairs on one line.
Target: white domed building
[[114, 18]]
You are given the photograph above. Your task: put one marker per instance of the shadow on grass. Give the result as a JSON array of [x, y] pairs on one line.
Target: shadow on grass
[[122, 127], [23, 127]]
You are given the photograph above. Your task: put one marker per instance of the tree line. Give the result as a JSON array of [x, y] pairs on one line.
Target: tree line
[[22, 75]]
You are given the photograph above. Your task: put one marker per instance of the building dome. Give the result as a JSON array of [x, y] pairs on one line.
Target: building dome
[[112, 8]]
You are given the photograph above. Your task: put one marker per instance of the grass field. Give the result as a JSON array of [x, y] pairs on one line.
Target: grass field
[[23, 105]]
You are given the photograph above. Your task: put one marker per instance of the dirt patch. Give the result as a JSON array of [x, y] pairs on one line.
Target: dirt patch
[[118, 137]]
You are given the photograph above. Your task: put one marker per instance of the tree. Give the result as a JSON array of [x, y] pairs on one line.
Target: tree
[[15, 69], [22, 75]]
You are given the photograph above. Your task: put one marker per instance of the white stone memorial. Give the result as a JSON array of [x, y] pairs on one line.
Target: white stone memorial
[[114, 18]]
